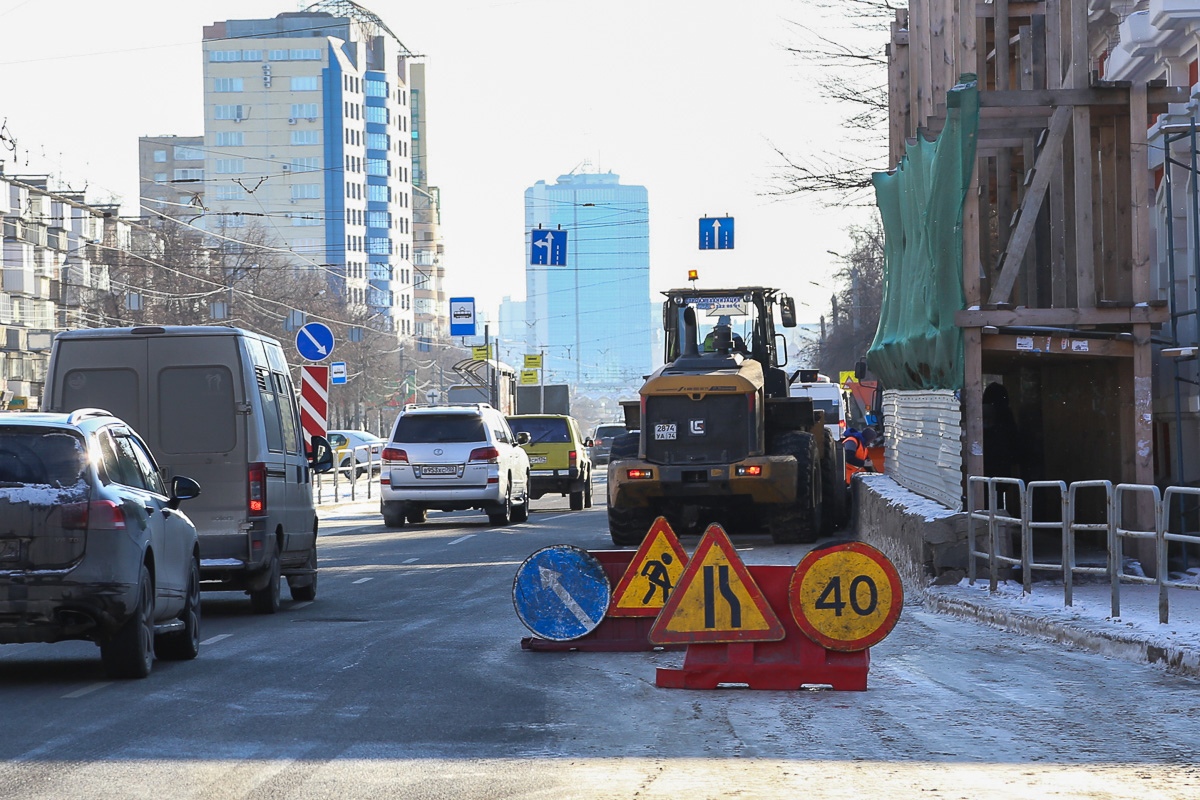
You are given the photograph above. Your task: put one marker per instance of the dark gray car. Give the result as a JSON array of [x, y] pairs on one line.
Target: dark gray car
[[92, 545], [602, 440]]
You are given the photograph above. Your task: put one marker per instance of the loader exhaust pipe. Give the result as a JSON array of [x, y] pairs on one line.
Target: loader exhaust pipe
[[690, 332]]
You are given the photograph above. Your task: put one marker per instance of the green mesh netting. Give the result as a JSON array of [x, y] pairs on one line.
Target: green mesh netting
[[917, 345]]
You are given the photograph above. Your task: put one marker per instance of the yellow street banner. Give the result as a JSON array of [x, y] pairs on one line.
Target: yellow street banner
[[651, 575], [533, 362], [845, 377], [716, 600], [480, 352], [529, 377], [846, 597]]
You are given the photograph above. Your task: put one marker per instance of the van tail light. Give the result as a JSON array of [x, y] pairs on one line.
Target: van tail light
[[573, 458], [394, 455], [98, 515], [489, 455], [256, 494]]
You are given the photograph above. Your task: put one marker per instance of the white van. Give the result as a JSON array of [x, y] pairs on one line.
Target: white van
[[215, 404]]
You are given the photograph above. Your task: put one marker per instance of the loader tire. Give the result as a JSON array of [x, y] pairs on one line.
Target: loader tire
[[833, 492], [800, 521]]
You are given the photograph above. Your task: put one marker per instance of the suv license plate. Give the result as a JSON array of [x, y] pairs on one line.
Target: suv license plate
[[664, 430], [537, 459], [449, 469]]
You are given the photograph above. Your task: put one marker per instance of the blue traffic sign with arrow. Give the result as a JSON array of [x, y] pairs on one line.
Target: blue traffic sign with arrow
[[548, 247], [314, 341], [561, 592], [716, 233]]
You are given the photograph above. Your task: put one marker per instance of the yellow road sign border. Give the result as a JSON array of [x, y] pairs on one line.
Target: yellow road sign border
[[795, 589]]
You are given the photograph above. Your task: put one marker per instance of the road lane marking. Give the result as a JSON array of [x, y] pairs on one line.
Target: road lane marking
[[409, 560], [556, 516], [461, 539], [362, 580], [217, 638], [301, 604], [87, 690]]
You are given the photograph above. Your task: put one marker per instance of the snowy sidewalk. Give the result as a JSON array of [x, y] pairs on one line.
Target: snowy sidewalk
[[1136, 635]]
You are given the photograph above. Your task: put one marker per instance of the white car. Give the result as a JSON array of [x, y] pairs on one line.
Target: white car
[[450, 458]]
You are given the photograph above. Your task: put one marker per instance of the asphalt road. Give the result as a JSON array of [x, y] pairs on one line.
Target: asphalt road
[[405, 678]]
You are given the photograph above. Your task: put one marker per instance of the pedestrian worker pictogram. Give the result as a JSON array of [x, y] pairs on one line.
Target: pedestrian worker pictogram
[[846, 597], [716, 600], [561, 592], [651, 575]]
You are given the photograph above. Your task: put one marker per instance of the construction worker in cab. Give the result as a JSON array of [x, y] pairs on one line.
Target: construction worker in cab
[[856, 443]]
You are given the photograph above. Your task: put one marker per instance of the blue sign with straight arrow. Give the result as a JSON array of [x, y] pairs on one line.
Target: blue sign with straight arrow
[[716, 233], [548, 248], [561, 592]]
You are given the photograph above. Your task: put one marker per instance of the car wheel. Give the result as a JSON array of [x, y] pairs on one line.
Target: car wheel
[[393, 514], [129, 653], [502, 515], [416, 515], [184, 645], [577, 500], [520, 512], [266, 599], [301, 588], [587, 492]]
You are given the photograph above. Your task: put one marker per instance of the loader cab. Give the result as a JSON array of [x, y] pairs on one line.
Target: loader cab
[[726, 323]]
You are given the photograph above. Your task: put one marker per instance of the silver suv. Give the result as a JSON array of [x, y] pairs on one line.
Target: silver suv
[[450, 458], [92, 546]]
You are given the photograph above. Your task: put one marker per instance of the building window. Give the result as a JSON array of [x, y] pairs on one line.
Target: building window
[[377, 141], [305, 83], [377, 194], [233, 192], [189, 174], [160, 177], [377, 114], [160, 156], [306, 191], [227, 84], [306, 164], [230, 139], [252, 55], [229, 166], [379, 246], [306, 137], [304, 111], [305, 220], [377, 166], [376, 88], [304, 55], [189, 154], [229, 112], [233, 221], [377, 219], [278, 55], [224, 55]]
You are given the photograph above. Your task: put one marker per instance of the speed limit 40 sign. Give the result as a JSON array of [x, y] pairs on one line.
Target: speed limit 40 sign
[[846, 597]]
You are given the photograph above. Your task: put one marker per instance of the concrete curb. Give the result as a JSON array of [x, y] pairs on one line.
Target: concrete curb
[[1114, 643]]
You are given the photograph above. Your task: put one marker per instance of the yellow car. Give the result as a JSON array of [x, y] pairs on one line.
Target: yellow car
[[356, 447], [558, 457]]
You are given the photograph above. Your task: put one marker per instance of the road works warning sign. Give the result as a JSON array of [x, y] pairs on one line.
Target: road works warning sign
[[846, 597], [651, 575], [716, 600]]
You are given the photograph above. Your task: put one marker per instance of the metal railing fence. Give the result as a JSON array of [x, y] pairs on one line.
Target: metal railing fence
[[327, 486]]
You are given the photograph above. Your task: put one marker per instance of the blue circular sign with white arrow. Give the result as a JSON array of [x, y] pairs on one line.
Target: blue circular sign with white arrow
[[561, 592], [314, 341]]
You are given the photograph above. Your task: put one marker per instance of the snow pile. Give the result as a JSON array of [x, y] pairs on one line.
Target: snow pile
[[900, 497]]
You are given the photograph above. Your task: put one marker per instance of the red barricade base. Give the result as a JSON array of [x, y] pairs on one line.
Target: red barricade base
[[789, 664]]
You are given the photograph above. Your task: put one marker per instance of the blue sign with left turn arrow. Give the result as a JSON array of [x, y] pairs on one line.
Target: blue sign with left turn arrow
[[314, 341], [547, 247], [561, 592]]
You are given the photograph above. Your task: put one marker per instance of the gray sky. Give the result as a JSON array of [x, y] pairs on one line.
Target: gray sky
[[685, 97]]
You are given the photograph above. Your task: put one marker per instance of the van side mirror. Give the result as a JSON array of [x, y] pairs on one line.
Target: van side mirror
[[182, 488], [589, 442], [787, 311], [523, 437], [320, 457]]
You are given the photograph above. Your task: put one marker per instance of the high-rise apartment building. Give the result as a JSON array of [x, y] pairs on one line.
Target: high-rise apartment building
[[591, 317], [171, 169], [430, 303], [308, 133]]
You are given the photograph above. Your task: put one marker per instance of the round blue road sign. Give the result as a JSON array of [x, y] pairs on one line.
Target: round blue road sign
[[314, 341], [561, 592]]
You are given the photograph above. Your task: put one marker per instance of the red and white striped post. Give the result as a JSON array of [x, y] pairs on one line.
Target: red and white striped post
[[314, 400]]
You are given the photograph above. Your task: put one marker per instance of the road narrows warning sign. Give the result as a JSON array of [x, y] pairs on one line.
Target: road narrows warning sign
[[652, 574], [716, 600]]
